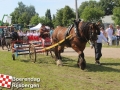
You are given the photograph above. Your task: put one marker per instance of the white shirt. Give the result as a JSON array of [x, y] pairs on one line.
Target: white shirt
[[24, 34], [28, 33], [20, 33], [109, 32], [101, 37], [118, 32]]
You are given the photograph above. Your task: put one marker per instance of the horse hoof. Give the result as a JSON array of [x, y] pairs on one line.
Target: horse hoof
[[59, 63], [82, 65]]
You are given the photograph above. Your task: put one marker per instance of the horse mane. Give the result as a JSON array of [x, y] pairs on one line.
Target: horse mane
[[83, 29]]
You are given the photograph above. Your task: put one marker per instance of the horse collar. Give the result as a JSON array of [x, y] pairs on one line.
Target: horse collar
[[76, 29]]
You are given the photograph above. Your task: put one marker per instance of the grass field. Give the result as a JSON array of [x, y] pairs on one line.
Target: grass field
[[67, 77]]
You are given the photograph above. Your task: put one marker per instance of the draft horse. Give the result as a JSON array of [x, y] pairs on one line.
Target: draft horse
[[6, 39], [81, 33]]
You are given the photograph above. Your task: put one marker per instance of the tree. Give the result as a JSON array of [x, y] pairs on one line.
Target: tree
[[42, 20], [48, 14], [68, 14], [108, 6], [86, 4], [53, 20], [64, 16], [23, 14], [116, 15], [92, 14], [35, 20], [48, 18], [59, 17]]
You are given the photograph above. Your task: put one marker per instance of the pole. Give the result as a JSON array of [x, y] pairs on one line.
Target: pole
[[76, 9]]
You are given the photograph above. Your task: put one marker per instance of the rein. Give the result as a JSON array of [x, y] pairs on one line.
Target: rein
[[76, 31]]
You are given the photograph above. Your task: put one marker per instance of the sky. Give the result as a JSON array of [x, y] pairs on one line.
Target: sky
[[8, 6]]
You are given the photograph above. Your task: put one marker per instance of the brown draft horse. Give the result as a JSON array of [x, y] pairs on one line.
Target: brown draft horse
[[81, 33]]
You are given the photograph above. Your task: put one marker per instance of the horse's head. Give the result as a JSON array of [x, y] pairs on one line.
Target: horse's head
[[94, 30]]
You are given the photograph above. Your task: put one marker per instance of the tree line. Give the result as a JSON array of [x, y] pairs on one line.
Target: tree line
[[88, 11]]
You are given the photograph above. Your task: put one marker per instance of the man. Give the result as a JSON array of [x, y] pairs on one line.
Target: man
[[51, 32], [44, 32], [98, 47], [118, 34], [110, 35], [3, 39]]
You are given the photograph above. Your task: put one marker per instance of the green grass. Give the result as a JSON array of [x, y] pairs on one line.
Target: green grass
[[67, 77]]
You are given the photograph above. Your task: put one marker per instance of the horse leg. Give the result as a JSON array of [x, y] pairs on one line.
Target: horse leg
[[51, 53], [9, 47], [2, 45], [81, 61], [57, 55], [60, 50]]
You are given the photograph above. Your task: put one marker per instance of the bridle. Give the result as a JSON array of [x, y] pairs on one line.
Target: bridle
[[91, 32]]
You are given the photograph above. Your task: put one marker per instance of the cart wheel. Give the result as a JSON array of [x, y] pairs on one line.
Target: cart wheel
[[13, 56], [32, 53]]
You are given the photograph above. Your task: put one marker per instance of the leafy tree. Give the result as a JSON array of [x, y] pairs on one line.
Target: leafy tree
[[82, 7], [59, 17], [48, 18], [64, 16], [68, 14], [22, 14], [53, 20], [48, 14], [108, 5], [85, 4], [92, 14], [35, 20], [116, 15], [117, 3], [42, 20]]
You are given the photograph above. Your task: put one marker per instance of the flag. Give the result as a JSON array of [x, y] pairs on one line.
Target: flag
[[5, 81]]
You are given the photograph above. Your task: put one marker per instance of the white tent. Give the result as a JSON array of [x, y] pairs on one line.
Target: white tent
[[37, 27]]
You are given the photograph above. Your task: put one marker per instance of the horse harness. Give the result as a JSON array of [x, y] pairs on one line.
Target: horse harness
[[75, 25]]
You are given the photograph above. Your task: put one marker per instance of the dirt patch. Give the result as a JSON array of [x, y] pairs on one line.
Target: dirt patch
[[106, 52]]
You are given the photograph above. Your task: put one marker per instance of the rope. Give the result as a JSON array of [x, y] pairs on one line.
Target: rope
[[47, 48]]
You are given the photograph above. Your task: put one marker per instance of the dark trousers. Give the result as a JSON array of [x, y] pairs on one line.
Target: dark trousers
[[98, 47]]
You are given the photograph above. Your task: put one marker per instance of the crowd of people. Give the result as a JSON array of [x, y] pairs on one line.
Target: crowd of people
[[108, 36], [111, 34], [35, 34], [26, 36]]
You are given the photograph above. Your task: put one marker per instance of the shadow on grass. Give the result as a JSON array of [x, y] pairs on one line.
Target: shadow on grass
[[68, 62], [102, 68], [105, 67], [114, 64], [26, 61]]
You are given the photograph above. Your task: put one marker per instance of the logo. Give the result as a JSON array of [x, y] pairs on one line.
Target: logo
[[5, 81]]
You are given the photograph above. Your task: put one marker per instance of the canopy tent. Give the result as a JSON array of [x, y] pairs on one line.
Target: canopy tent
[[37, 27]]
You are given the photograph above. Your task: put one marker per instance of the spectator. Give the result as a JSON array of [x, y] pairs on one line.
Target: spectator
[[98, 47], [51, 32], [110, 34], [20, 33], [103, 31], [118, 31], [44, 32]]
